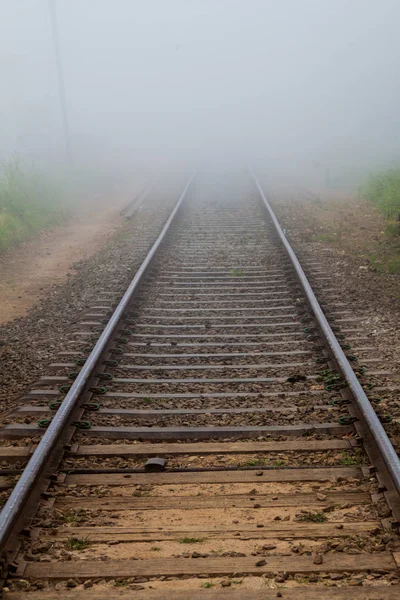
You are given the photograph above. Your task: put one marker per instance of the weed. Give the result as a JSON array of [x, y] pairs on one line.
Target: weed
[[393, 230], [74, 543], [253, 462], [155, 549], [383, 190], [237, 581], [278, 463], [311, 517], [384, 264], [147, 400], [236, 272], [191, 540], [352, 458], [207, 584], [121, 582], [73, 517], [376, 263], [393, 265], [301, 579]]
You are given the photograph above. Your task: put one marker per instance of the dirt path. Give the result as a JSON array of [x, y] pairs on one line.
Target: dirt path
[[351, 229], [27, 273]]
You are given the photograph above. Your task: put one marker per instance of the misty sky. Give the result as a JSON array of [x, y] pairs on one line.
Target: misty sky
[[276, 80]]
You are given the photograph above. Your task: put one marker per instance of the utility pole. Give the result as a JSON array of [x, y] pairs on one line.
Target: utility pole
[[61, 85]]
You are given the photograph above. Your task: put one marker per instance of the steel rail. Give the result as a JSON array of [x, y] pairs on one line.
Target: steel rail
[[16, 502], [138, 202], [372, 421]]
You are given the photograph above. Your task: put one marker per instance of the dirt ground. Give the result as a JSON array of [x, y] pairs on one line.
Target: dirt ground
[[351, 229], [347, 235], [28, 272]]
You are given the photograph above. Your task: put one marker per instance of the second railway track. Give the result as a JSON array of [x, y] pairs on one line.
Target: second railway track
[[279, 479]]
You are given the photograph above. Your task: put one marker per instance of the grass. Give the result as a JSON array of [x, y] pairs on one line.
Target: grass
[[352, 458], [207, 584], [382, 263], [311, 517], [393, 265], [324, 237], [29, 203], [74, 543], [254, 462], [155, 548], [376, 263], [147, 400], [236, 272], [73, 517], [262, 461], [383, 190], [121, 583], [191, 540]]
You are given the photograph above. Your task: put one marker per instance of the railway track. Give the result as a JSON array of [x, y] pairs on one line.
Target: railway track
[[205, 435]]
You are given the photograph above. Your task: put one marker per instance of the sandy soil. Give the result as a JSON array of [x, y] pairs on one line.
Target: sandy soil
[[27, 273]]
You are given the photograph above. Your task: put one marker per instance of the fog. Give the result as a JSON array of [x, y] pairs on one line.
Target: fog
[[290, 86]]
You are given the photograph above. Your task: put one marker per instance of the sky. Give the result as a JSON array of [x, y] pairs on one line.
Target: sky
[[297, 84]]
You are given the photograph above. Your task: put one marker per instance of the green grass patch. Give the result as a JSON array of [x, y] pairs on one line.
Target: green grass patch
[[324, 237], [383, 190], [191, 540], [74, 543], [147, 400], [74, 517], [207, 584], [29, 203], [352, 458], [311, 517], [376, 263], [121, 583], [254, 462], [393, 265]]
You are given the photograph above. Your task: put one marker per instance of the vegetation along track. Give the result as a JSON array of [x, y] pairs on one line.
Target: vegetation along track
[[279, 478]]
